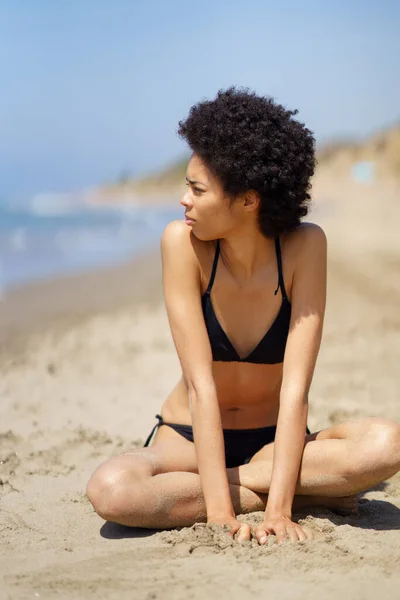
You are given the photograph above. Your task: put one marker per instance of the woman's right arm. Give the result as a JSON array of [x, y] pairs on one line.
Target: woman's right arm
[[182, 293]]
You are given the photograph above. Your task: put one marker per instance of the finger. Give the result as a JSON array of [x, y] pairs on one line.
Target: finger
[[261, 535], [232, 530], [308, 533], [235, 528], [244, 533], [280, 532], [301, 534], [292, 534]]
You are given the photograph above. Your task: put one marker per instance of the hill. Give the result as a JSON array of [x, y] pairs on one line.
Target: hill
[[381, 151], [375, 159]]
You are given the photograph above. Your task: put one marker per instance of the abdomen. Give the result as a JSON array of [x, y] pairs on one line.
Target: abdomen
[[248, 396]]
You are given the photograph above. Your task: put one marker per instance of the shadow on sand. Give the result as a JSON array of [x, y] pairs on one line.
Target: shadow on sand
[[113, 531], [378, 515]]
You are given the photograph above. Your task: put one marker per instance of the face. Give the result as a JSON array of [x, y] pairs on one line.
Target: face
[[208, 211]]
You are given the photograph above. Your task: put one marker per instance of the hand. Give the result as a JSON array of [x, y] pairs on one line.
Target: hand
[[283, 527], [241, 530]]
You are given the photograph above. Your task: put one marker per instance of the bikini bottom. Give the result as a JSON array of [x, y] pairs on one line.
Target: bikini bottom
[[240, 444]]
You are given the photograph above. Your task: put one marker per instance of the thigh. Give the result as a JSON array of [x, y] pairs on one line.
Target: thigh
[[169, 451], [349, 430], [172, 451]]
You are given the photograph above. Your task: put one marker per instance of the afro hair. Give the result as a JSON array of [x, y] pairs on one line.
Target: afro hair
[[250, 142]]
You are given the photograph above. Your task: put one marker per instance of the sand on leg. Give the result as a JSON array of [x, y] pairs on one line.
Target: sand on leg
[[338, 461], [159, 487]]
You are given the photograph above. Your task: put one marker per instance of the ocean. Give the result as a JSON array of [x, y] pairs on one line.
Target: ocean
[[41, 244]]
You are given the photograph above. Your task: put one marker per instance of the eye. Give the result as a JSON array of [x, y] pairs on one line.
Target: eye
[[195, 189]]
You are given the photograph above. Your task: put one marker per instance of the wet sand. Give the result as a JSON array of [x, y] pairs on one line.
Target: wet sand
[[85, 364]]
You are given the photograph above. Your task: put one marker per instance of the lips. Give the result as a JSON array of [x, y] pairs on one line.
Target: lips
[[188, 220]]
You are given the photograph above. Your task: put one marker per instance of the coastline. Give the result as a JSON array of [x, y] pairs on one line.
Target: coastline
[[32, 307]]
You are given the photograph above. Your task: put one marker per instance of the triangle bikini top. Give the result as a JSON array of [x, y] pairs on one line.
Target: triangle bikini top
[[271, 348]]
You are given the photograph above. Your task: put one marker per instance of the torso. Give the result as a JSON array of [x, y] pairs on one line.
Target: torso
[[248, 393]]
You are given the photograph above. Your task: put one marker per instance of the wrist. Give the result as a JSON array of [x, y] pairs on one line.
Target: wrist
[[278, 511], [217, 515]]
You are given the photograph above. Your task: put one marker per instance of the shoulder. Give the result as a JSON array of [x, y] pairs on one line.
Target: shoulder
[[178, 235], [310, 233], [306, 240], [177, 238], [175, 233], [181, 246]]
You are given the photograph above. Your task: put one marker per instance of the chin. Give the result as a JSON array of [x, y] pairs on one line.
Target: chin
[[204, 237]]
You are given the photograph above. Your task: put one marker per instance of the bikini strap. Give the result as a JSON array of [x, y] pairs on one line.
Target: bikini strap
[[214, 269], [160, 422], [280, 273]]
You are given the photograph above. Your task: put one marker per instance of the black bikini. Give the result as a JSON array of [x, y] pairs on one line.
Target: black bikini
[[241, 444], [271, 349]]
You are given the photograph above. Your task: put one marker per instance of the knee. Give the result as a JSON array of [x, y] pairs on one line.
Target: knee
[[104, 490], [383, 441], [109, 490]]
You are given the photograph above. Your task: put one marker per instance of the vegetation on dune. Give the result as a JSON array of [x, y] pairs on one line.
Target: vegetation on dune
[[169, 179], [382, 149], [336, 157]]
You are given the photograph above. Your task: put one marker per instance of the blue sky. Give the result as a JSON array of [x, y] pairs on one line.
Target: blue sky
[[91, 88]]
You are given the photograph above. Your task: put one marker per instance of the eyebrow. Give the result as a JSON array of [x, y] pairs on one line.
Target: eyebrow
[[194, 182]]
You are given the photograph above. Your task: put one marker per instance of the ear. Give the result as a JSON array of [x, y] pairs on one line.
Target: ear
[[251, 200]]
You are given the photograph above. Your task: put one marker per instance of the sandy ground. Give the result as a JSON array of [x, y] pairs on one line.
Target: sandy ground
[[96, 366]]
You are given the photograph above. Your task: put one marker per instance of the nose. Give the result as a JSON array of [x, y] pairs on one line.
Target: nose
[[186, 200]]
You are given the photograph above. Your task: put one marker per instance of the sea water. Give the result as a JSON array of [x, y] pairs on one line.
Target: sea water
[[36, 245]]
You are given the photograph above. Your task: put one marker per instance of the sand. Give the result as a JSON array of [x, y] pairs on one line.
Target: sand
[[85, 364]]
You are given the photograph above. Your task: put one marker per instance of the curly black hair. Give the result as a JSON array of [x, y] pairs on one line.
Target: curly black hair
[[250, 142]]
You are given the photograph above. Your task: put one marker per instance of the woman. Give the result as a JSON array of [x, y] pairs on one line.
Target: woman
[[244, 285]]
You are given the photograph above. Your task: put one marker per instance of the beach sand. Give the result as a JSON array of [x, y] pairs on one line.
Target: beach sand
[[86, 362]]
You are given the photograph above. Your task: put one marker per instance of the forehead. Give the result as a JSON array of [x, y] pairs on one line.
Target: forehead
[[197, 170]]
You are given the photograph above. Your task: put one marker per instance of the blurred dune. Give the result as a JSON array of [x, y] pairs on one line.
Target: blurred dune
[[337, 165], [381, 149], [162, 187]]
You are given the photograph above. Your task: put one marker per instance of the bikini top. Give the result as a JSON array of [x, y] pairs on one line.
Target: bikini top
[[271, 349]]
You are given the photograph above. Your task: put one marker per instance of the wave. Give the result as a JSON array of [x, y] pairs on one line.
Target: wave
[[36, 244]]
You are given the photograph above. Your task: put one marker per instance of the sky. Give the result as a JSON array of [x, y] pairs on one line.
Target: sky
[[91, 89]]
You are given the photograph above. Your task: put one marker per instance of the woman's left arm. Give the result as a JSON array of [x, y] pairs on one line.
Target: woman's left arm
[[308, 308]]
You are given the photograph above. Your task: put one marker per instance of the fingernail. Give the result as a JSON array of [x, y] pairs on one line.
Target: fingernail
[[263, 539]]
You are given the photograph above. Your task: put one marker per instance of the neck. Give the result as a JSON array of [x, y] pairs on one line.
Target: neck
[[246, 251]]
